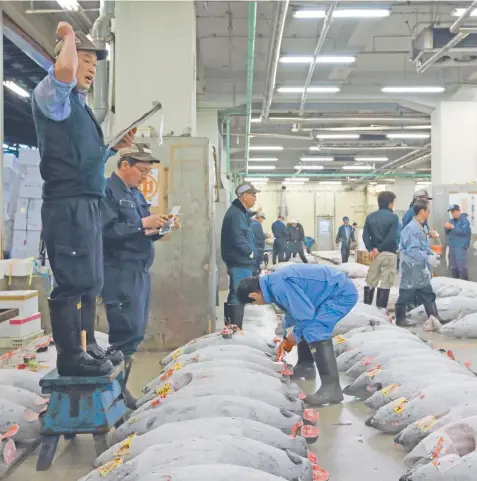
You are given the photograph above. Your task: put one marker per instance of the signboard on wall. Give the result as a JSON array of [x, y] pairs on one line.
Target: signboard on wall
[[154, 188]]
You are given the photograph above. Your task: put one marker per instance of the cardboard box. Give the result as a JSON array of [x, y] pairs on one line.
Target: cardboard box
[[28, 214], [362, 257], [25, 301]]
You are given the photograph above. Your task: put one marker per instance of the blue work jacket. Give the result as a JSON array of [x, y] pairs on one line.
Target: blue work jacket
[[258, 234], [345, 235], [280, 230], [459, 236]]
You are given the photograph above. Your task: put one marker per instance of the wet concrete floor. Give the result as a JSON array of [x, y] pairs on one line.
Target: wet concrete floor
[[347, 448]]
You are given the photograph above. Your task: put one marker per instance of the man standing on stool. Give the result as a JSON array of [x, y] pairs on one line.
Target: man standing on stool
[[73, 154], [314, 298]]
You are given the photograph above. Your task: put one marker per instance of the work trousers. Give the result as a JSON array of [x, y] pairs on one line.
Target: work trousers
[[279, 250], [382, 271], [236, 274], [459, 262], [73, 239], [296, 247], [345, 252], [423, 295], [126, 294]]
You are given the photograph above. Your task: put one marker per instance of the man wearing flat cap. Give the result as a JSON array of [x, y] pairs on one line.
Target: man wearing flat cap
[[239, 251], [73, 154], [129, 233], [459, 233]]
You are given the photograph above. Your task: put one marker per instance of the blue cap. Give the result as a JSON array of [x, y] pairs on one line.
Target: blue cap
[[345, 219], [453, 207]]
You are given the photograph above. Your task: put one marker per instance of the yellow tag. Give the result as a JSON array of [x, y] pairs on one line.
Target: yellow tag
[[388, 389], [340, 339], [400, 405], [177, 353], [426, 423], [105, 469], [164, 390], [132, 420], [125, 446], [373, 372], [177, 366]]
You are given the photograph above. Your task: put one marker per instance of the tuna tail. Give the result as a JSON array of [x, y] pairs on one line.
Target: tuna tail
[[346, 390]]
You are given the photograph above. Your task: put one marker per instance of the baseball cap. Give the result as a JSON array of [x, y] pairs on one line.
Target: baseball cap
[[261, 215], [422, 193], [345, 219], [138, 153], [453, 207], [246, 187], [82, 43]]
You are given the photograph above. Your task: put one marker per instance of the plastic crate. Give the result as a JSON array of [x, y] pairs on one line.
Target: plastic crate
[[15, 342]]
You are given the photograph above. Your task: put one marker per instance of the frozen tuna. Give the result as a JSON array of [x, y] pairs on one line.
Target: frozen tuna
[[212, 450], [24, 398], [27, 420], [430, 401], [448, 287], [370, 382], [466, 327], [226, 337], [28, 380], [361, 315], [169, 433], [371, 328], [208, 407], [353, 270], [448, 468], [459, 438], [449, 308]]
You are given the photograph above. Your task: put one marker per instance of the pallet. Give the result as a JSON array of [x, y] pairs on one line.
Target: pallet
[[23, 451]]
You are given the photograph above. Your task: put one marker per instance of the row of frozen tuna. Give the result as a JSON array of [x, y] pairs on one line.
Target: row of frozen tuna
[[222, 407], [419, 394]]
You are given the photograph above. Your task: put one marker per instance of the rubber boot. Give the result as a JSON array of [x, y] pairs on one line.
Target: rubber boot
[[464, 275], [401, 318], [382, 298], [236, 312], [455, 273], [226, 314], [305, 367], [368, 295], [431, 310], [129, 399], [88, 316], [325, 360], [72, 360]]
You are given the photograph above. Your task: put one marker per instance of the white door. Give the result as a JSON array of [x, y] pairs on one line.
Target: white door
[[324, 233]]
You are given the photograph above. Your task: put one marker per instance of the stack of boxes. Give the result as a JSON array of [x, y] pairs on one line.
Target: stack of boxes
[[11, 186], [27, 224]]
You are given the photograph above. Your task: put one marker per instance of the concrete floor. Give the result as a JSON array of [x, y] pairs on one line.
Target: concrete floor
[[348, 449]]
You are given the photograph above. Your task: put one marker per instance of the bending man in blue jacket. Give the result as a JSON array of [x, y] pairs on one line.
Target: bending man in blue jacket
[[458, 233], [315, 298]]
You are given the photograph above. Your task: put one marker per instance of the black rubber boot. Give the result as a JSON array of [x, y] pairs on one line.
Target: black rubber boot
[[88, 316], [236, 312], [129, 399], [368, 295], [382, 298], [455, 273], [431, 310], [325, 360], [65, 315], [226, 314], [305, 367], [464, 275], [401, 318]]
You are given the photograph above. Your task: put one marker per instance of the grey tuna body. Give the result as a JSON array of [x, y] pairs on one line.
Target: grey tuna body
[[216, 339], [375, 348], [206, 407], [449, 468], [275, 396], [448, 287], [361, 315], [168, 433], [368, 328], [213, 450], [449, 309], [24, 398], [430, 401], [27, 420], [413, 434], [28, 380], [459, 438], [410, 387], [466, 327]]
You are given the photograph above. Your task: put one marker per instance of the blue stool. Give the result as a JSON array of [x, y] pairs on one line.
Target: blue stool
[[80, 405]]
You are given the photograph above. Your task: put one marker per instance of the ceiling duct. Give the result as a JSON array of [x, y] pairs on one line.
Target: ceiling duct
[[431, 40]]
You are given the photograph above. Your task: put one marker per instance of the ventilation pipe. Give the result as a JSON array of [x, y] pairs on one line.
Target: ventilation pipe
[[283, 209], [100, 34]]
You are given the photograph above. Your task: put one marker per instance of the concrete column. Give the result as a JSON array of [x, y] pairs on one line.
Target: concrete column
[[156, 60], [404, 189], [454, 143]]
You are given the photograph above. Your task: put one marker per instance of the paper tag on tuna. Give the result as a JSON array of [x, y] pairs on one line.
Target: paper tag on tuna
[[439, 449], [373, 372], [177, 353], [426, 423], [446, 462], [385, 391], [177, 366], [400, 405], [125, 446], [340, 339], [164, 390], [105, 469]]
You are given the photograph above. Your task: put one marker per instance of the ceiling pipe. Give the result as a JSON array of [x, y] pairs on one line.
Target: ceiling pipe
[[350, 119], [274, 57], [417, 161], [337, 174], [56, 10], [319, 46], [100, 35], [464, 16]]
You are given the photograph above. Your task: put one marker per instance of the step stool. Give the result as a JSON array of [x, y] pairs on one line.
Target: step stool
[[80, 405]]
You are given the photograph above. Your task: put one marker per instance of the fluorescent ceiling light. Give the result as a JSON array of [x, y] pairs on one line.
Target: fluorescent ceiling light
[[71, 5], [255, 120], [426, 182], [265, 147], [256, 179], [293, 183], [357, 167], [261, 167], [297, 179], [311, 90], [417, 127], [263, 159], [457, 12], [317, 159], [413, 90], [331, 182], [16, 88], [408, 136], [373, 183], [308, 167], [320, 59], [338, 136], [344, 13], [371, 159], [260, 183]]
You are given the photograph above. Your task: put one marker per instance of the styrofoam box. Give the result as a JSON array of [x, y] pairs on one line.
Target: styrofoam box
[[16, 267], [25, 301], [21, 326], [29, 157], [31, 172], [31, 189], [25, 244], [28, 214]]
